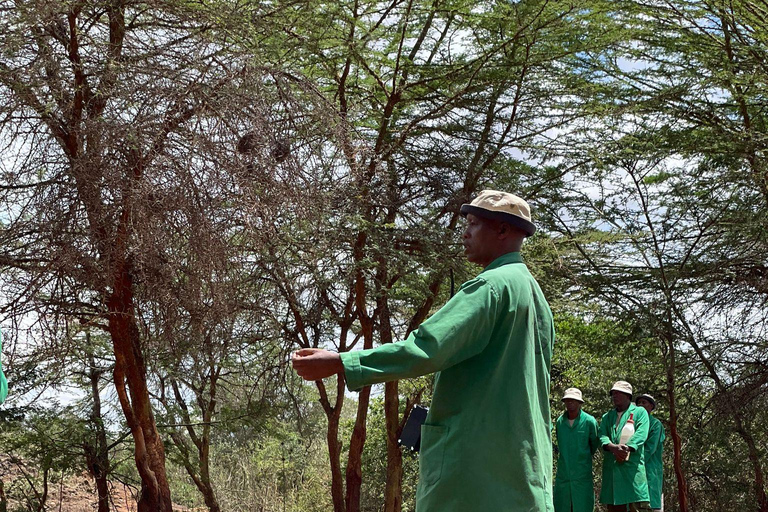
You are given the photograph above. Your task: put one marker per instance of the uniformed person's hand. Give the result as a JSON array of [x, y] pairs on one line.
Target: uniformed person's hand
[[316, 363], [619, 451], [622, 452]]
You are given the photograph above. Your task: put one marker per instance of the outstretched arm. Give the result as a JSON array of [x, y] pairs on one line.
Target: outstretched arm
[[458, 331]]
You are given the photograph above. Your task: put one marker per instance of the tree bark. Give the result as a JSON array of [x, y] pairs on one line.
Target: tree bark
[[393, 492], [354, 475], [97, 456], [682, 485], [3, 499], [334, 445], [130, 370]]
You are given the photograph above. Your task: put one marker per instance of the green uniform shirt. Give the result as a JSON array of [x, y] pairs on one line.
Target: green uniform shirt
[[654, 468], [486, 443], [624, 482], [577, 443], [3, 382]]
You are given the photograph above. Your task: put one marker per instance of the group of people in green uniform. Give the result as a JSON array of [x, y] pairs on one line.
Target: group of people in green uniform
[[631, 440]]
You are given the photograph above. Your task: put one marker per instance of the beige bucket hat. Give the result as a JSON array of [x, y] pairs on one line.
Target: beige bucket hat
[[493, 204], [647, 397], [574, 393], [623, 386]]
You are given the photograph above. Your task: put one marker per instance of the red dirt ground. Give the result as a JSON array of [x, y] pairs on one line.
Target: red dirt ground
[[77, 494]]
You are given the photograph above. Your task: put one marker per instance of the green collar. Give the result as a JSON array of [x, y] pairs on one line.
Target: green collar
[[505, 259], [576, 420]]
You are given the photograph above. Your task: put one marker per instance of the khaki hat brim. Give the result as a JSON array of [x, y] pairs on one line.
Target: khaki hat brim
[[516, 221]]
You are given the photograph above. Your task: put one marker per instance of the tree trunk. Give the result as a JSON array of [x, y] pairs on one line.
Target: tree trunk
[[204, 451], [354, 476], [754, 458], [97, 457], [44, 497], [334, 453], [3, 499], [199, 474], [393, 493], [682, 485], [130, 369], [208, 494], [333, 413]]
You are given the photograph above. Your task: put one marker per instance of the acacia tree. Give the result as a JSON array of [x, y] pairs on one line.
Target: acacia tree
[[118, 120]]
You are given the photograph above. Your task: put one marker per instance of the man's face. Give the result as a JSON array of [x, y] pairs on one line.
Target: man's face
[[571, 405], [620, 400], [480, 240], [642, 402]]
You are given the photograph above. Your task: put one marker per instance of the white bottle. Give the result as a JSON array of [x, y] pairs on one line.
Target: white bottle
[[627, 431]]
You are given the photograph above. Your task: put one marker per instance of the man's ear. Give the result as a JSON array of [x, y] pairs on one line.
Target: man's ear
[[504, 229]]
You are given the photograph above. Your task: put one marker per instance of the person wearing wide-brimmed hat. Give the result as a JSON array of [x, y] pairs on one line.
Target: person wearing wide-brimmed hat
[[486, 443], [577, 442], [625, 486], [654, 467]]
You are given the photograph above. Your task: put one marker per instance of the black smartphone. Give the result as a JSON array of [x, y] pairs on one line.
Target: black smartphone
[[411, 435]]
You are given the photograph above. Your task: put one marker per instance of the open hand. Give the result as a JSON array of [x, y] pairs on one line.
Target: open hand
[[316, 363]]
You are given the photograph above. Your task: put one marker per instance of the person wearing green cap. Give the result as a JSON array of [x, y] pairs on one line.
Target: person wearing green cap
[[3, 381], [577, 442], [625, 486], [486, 443], [654, 467]]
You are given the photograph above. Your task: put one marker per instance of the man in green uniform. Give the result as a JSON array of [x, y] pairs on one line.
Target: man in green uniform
[[654, 468], [625, 487], [577, 442], [486, 444], [3, 382]]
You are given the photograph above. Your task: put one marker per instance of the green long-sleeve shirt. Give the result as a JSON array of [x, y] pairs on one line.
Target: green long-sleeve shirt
[[624, 482], [654, 467], [577, 443], [486, 443]]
